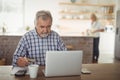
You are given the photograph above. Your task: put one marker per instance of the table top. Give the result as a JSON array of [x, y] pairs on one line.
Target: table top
[[106, 71]]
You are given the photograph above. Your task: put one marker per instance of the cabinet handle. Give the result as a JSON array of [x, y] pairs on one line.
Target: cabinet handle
[[117, 29]]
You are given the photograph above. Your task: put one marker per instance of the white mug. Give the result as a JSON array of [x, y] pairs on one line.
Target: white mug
[[33, 70]]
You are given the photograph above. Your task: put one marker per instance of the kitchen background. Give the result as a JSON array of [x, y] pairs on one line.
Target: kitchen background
[[18, 16], [70, 17]]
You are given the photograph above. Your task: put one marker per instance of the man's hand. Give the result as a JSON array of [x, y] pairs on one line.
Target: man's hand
[[22, 61]]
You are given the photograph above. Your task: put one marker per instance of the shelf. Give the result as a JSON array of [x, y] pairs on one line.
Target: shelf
[[84, 19], [85, 4], [69, 12], [62, 12], [80, 12], [73, 19]]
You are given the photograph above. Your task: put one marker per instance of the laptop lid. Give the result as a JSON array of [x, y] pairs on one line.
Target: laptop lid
[[63, 63]]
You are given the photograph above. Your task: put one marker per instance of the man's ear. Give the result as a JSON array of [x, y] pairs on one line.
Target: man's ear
[[34, 22]]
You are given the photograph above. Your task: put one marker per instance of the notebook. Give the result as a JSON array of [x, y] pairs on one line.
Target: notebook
[[63, 63]]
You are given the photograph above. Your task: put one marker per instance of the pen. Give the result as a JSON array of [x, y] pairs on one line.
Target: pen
[[31, 60]]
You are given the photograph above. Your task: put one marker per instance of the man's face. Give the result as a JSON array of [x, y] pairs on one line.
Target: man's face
[[43, 27]]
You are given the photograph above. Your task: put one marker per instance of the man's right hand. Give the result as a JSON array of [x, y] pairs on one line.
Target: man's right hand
[[22, 61]]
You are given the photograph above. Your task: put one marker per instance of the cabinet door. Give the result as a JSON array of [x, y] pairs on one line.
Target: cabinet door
[[117, 36]]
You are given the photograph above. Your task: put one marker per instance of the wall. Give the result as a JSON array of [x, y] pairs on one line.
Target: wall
[[117, 34], [117, 4], [32, 6]]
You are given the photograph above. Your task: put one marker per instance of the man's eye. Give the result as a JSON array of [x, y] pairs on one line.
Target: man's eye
[[49, 27], [41, 26]]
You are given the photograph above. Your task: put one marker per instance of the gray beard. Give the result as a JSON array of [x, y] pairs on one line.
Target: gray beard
[[44, 35]]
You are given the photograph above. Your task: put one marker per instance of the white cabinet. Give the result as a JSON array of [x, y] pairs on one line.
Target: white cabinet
[[107, 41]]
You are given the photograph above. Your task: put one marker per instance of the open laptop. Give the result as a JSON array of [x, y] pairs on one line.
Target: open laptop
[[63, 63]]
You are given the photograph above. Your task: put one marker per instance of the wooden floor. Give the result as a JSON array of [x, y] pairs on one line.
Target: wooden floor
[[107, 58]]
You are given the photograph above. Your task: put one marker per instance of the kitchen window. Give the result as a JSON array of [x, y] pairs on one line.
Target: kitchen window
[[11, 16]]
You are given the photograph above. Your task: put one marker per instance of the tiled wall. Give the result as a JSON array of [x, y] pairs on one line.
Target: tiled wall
[[8, 45]]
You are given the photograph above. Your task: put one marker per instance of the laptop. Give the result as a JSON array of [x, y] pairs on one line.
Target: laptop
[[63, 63]]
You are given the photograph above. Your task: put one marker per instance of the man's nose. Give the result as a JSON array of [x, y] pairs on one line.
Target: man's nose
[[45, 30]]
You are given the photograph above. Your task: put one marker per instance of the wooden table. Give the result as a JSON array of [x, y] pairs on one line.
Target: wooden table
[[99, 72]]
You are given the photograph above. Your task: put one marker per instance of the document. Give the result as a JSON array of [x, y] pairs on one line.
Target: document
[[15, 69]]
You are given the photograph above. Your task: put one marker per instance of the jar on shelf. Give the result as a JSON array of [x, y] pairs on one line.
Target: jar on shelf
[[73, 1]]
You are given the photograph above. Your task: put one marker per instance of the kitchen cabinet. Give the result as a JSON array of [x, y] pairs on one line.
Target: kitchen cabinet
[[107, 42], [8, 45]]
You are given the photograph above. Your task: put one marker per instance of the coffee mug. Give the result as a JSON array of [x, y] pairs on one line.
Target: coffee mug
[[33, 70]]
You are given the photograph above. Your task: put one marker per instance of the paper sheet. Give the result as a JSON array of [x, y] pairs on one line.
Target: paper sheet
[[15, 69]]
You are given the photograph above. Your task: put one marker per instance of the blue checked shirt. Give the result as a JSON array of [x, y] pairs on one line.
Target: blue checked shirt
[[33, 46]]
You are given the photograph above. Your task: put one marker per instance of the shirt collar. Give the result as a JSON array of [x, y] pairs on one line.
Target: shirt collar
[[35, 32]]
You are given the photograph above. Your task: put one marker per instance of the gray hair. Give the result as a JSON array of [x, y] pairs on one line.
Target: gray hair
[[44, 15]]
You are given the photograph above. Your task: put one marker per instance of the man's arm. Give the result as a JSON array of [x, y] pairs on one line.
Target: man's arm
[[61, 45], [19, 55]]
